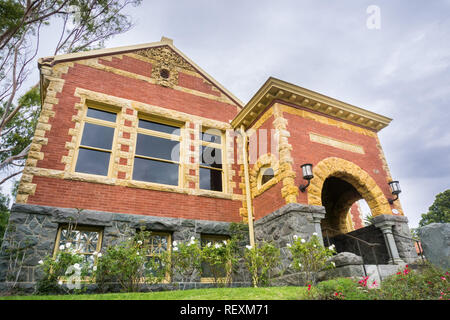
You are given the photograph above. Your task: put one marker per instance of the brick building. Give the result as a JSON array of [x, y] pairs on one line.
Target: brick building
[[142, 136]]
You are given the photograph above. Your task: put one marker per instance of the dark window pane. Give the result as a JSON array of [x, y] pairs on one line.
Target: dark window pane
[[268, 175], [159, 127], [92, 161], [97, 136], [155, 147], [210, 136], [155, 171], [210, 179], [102, 115], [211, 157]]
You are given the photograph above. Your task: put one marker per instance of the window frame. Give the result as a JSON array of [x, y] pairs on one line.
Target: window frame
[[222, 147], [169, 249], [103, 123], [62, 227], [163, 135], [261, 174]]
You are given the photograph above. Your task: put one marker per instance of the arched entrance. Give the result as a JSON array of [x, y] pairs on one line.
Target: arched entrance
[[337, 185]]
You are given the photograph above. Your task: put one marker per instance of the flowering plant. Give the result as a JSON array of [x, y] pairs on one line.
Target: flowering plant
[[310, 256], [68, 267], [221, 258], [130, 263], [260, 260], [186, 259]]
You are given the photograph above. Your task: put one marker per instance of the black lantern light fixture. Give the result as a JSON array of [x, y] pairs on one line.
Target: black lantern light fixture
[[395, 189], [307, 175]]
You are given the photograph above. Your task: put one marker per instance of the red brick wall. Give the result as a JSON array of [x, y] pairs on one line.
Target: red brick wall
[[76, 194], [356, 216], [86, 195], [269, 201]]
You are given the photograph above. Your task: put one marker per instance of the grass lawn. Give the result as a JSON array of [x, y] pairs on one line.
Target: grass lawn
[[272, 293]]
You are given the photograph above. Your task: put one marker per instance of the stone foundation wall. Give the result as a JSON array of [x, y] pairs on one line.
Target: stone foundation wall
[[34, 228], [281, 225]]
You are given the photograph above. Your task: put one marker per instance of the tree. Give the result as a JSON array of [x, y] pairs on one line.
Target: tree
[[4, 215], [83, 25], [439, 211]]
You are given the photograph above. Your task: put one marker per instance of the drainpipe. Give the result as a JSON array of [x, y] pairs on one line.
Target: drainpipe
[[247, 187]]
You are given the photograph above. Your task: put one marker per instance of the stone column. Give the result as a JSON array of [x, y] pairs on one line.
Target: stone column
[[317, 217], [386, 228]]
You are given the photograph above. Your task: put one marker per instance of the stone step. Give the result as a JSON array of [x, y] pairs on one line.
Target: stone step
[[381, 271]]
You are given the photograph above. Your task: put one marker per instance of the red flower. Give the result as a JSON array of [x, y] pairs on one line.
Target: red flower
[[309, 287]]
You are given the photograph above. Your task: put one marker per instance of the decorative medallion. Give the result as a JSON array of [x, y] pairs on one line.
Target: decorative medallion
[[164, 70]]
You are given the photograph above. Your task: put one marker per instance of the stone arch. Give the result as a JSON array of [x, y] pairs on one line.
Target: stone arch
[[354, 175], [266, 160]]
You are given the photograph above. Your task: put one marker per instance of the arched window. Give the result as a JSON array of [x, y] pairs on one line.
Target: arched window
[[266, 175]]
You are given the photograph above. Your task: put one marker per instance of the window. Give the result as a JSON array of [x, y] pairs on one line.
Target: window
[[211, 240], [267, 174], [85, 240], [95, 149], [211, 169], [157, 157], [158, 242]]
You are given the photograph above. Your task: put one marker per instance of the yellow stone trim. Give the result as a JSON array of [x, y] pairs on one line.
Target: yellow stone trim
[[289, 191], [332, 142], [328, 121], [264, 161], [51, 79], [266, 116], [353, 174]]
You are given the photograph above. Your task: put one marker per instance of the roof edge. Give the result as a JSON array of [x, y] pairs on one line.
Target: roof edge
[[276, 89], [52, 60]]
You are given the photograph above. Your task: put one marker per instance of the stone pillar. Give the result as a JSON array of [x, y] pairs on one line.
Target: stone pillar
[[386, 228], [401, 235], [317, 217]]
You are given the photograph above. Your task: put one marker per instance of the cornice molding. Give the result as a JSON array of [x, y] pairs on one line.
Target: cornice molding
[[275, 89]]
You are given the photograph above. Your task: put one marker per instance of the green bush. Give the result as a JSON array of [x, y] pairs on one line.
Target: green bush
[[310, 256], [426, 283], [130, 263], [260, 261], [186, 259], [340, 289], [221, 259], [68, 268]]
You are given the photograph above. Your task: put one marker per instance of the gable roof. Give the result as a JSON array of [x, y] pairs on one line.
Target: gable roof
[[284, 92], [52, 60]]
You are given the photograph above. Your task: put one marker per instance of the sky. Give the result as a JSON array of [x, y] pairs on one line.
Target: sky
[[400, 70]]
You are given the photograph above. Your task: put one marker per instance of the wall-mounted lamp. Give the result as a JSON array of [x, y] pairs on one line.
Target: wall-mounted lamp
[[395, 189], [307, 175]]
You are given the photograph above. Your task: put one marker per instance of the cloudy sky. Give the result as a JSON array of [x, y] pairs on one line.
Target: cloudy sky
[[401, 70]]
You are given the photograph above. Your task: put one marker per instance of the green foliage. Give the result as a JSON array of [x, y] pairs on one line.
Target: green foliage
[[340, 289], [4, 215], [186, 259], [310, 256], [427, 283], [19, 132], [130, 263], [260, 261], [67, 266], [439, 212], [221, 259]]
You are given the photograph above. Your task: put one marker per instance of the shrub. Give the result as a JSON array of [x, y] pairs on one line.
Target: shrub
[[260, 261], [427, 283], [340, 289], [310, 256], [221, 259], [67, 267], [130, 263], [186, 259]]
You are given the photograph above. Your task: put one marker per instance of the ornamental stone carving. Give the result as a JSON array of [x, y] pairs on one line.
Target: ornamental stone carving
[[166, 65]]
